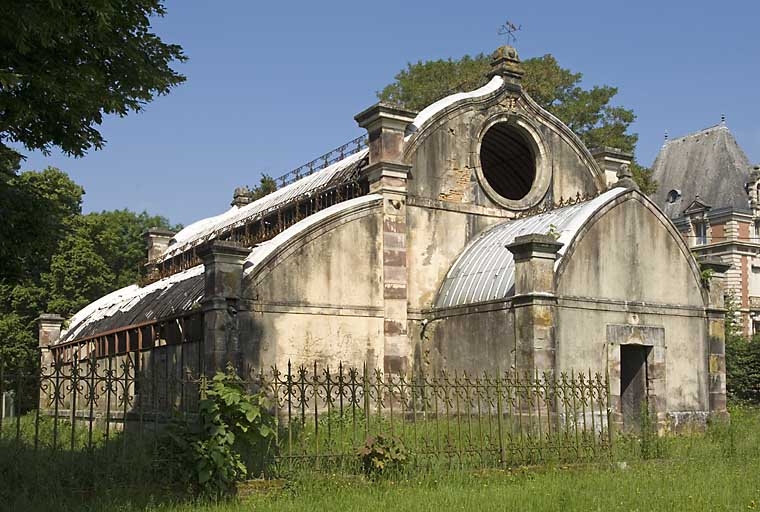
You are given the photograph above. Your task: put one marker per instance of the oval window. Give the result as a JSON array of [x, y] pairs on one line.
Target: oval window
[[507, 161]]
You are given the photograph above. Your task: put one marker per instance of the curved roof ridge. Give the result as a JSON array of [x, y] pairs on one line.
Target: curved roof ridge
[[205, 229], [181, 291], [261, 252], [122, 301], [484, 270], [431, 110]]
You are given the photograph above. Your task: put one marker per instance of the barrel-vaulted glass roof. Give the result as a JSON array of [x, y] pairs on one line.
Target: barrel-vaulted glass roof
[[485, 269]]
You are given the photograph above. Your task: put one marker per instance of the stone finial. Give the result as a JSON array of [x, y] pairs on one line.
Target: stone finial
[[506, 63], [223, 268], [625, 177], [241, 197], [534, 255]]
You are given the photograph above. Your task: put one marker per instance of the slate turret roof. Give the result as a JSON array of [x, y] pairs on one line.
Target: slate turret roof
[[708, 163]]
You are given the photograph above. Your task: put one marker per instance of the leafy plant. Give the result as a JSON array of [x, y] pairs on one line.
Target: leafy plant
[[651, 443], [553, 232], [742, 358], [233, 433], [381, 454], [705, 275]]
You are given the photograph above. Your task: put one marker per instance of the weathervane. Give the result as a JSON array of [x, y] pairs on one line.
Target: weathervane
[[508, 29]]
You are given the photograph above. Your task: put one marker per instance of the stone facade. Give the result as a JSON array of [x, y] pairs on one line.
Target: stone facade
[[483, 237]]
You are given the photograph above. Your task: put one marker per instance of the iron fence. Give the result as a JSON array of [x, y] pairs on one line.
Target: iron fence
[[324, 415]]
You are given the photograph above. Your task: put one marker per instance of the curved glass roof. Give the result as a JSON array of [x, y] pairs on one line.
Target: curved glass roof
[[485, 269]]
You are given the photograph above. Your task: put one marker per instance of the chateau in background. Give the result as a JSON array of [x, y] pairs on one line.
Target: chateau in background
[[708, 188], [478, 235]]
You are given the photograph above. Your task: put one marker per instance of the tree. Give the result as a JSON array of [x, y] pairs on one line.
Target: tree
[[36, 209], [266, 186], [64, 65], [588, 112], [103, 252], [56, 260]]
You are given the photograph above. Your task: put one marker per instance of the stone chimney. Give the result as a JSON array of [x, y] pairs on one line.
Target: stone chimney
[[49, 333], [610, 160], [241, 197], [506, 63], [157, 241]]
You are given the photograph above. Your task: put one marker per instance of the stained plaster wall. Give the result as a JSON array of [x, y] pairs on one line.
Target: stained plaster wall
[[319, 298], [628, 266], [475, 339], [447, 204]]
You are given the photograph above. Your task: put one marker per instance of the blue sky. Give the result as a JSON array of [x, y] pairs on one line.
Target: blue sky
[[272, 85]]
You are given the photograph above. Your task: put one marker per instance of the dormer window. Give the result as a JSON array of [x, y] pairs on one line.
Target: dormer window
[[673, 195]]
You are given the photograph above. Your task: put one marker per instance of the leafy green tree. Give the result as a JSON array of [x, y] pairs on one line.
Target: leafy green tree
[[54, 259], [77, 273], [104, 252], [17, 342], [266, 186], [36, 209], [742, 357], [588, 112], [66, 64]]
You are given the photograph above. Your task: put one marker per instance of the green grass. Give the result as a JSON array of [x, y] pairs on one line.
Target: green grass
[[719, 470]]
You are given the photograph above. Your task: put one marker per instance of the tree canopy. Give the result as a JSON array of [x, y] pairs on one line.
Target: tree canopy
[[590, 113], [54, 259], [64, 65]]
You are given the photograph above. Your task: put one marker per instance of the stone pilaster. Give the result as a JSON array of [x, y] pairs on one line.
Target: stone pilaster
[[223, 280], [716, 335], [731, 230], [49, 333], [535, 302], [387, 174], [610, 160]]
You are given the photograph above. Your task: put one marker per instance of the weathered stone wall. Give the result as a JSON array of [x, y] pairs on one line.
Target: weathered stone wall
[[445, 157], [435, 238], [320, 296], [629, 269], [447, 203], [475, 339]]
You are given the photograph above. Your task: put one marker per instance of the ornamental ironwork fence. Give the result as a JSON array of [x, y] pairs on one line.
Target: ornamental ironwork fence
[[324, 415]]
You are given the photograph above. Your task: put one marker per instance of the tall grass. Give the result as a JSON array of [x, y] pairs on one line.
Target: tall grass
[[717, 470]]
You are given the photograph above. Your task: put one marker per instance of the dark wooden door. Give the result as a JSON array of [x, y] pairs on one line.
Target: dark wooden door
[[633, 384]]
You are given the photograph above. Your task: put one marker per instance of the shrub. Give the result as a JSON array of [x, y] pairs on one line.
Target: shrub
[[381, 454], [743, 369], [231, 424]]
